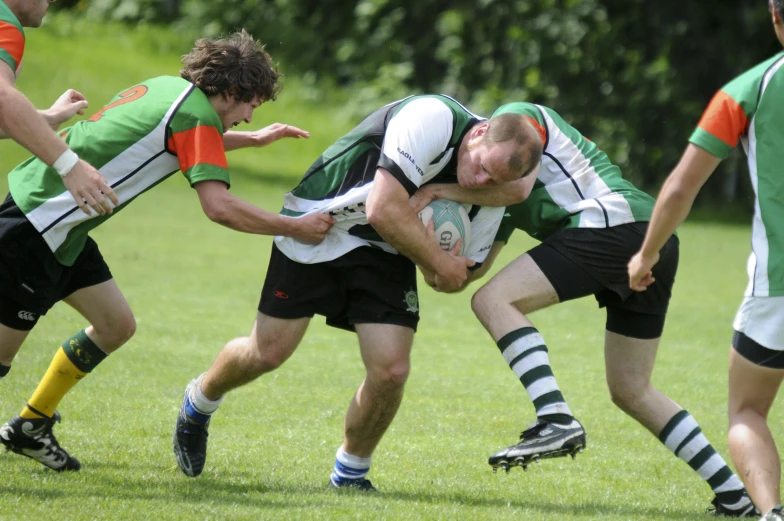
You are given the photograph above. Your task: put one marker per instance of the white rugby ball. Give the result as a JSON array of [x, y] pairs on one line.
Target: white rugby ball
[[451, 222]]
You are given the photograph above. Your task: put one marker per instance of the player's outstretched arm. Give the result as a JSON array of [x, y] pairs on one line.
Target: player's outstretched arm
[[235, 139], [21, 122], [506, 194], [672, 207], [225, 209]]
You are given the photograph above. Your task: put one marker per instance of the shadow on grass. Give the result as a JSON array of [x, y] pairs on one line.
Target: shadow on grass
[[144, 482]]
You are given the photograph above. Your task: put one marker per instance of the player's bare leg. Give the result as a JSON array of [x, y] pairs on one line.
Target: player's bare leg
[[385, 350], [271, 342], [501, 306], [112, 325], [10, 342], [629, 365], [752, 390]]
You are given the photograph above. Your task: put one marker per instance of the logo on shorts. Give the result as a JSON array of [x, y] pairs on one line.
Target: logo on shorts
[[26, 315], [281, 295], [412, 301]]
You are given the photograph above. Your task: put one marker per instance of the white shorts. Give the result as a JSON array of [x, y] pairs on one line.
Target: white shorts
[[762, 320]]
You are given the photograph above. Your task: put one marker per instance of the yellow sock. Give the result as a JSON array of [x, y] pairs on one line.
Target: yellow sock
[[61, 376]]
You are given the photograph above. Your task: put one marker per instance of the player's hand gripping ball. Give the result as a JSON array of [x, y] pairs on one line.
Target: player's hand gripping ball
[[450, 223]]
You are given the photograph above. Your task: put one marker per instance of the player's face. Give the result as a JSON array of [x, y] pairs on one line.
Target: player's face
[[235, 112], [481, 164], [33, 12]]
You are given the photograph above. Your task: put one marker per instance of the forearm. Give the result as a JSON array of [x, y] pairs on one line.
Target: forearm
[[502, 195], [245, 217], [403, 230], [236, 139], [20, 121], [672, 207]]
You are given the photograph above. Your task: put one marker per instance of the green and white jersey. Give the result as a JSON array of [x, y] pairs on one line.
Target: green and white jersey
[[577, 185], [416, 139], [143, 136], [12, 38], [750, 109]]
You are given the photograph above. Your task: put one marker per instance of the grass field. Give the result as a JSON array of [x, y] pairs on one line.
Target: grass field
[[194, 285]]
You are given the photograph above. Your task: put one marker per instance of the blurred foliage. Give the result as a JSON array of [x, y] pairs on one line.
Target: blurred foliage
[[632, 75]]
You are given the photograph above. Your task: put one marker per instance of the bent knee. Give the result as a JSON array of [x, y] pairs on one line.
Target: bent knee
[[481, 301], [626, 397], [263, 360], [393, 375], [117, 331]]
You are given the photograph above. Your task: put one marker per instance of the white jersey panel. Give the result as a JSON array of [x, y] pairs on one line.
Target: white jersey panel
[[574, 184], [484, 227], [411, 145], [757, 265]]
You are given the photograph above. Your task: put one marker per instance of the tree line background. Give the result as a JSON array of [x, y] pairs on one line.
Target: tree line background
[[633, 75]]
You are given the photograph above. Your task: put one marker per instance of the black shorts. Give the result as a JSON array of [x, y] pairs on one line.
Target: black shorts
[[31, 279], [593, 261], [756, 353], [366, 285]]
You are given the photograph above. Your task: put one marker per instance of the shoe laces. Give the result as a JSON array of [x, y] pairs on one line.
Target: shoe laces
[[534, 429]]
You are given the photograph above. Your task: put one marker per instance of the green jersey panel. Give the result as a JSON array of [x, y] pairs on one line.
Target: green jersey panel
[[128, 141]]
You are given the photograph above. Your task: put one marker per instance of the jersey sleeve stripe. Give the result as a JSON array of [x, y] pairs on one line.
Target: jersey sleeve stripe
[[200, 145], [724, 119], [12, 42], [540, 129]]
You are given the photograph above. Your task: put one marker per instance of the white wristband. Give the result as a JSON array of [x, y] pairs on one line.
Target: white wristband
[[66, 162]]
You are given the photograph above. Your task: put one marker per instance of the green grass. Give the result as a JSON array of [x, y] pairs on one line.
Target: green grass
[[194, 286]]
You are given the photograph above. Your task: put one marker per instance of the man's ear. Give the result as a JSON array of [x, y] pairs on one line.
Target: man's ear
[[480, 129]]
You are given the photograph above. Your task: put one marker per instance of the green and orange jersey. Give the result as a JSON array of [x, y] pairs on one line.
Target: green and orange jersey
[[12, 38], [144, 135], [750, 110], [577, 185]]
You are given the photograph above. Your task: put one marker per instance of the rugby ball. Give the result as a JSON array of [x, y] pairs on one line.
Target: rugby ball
[[451, 222]]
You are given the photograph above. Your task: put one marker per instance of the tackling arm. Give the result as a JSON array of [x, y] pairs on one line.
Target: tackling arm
[[225, 209], [506, 194]]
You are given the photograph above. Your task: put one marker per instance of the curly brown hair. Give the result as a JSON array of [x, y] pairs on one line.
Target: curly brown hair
[[236, 66]]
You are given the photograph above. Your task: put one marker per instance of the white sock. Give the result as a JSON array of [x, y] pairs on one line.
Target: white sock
[[348, 466], [201, 402]]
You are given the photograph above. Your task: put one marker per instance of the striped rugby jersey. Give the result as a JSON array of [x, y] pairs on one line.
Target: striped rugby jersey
[[12, 38], [577, 185], [143, 136], [416, 139], [750, 109]]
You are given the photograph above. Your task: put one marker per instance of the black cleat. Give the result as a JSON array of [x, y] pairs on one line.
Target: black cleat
[[742, 508], [190, 439], [542, 440], [361, 484], [34, 439]]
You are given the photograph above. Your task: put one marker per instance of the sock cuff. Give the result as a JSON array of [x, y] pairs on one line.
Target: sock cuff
[[349, 460], [673, 432], [200, 402], [4, 370], [511, 337], [83, 352]]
